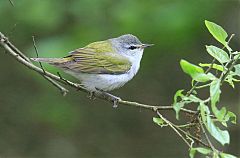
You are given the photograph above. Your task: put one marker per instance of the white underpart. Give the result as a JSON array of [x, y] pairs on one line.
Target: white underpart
[[108, 82]]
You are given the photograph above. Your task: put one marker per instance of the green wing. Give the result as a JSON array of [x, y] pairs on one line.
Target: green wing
[[93, 59]]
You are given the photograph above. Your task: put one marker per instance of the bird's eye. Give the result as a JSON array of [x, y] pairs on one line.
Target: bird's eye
[[132, 47]]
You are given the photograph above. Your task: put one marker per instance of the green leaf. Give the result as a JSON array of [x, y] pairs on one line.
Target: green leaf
[[215, 66], [220, 114], [223, 115], [202, 77], [221, 136], [236, 57], [230, 116], [204, 111], [215, 91], [178, 105], [196, 72], [211, 76], [189, 68], [224, 155], [218, 54], [217, 31], [237, 69], [192, 98], [215, 155], [229, 79], [159, 121], [192, 153], [201, 150], [184, 100], [178, 94]]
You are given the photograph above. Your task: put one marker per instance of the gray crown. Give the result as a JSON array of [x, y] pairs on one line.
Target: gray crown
[[128, 39]]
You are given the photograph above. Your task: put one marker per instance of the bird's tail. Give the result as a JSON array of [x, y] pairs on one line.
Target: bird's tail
[[53, 61]]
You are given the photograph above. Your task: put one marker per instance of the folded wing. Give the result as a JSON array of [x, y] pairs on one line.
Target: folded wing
[[95, 58], [87, 60]]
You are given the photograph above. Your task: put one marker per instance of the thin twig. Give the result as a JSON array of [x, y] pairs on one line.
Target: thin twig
[[230, 38], [203, 86], [63, 90], [206, 136], [191, 136], [171, 125], [11, 2], [186, 125], [154, 107], [63, 79], [4, 41], [36, 50], [233, 61]]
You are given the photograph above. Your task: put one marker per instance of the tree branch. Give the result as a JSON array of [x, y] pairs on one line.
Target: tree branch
[[56, 79], [20, 57]]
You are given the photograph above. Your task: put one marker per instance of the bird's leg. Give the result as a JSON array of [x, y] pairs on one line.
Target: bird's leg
[[91, 95], [113, 98]]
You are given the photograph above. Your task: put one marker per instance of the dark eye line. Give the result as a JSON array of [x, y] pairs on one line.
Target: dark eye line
[[132, 47]]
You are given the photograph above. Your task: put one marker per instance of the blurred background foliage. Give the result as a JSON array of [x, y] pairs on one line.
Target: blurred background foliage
[[36, 121]]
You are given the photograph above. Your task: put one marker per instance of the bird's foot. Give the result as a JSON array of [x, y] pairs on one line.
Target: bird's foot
[[110, 97], [116, 101], [91, 95], [113, 98]]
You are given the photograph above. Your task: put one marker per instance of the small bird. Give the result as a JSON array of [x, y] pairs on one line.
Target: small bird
[[103, 65]]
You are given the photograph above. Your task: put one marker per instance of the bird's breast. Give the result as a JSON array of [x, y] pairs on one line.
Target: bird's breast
[[108, 82]]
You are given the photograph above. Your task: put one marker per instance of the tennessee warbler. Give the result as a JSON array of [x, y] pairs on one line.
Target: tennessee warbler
[[103, 65]]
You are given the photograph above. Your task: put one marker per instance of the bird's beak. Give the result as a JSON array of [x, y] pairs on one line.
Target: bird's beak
[[146, 45]]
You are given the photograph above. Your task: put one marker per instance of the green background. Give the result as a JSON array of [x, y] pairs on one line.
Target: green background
[[36, 121]]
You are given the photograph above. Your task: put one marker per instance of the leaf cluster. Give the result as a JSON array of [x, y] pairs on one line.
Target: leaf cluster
[[223, 69]]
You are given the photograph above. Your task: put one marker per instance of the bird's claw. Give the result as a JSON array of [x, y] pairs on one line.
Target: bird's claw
[[115, 101], [113, 98], [91, 96]]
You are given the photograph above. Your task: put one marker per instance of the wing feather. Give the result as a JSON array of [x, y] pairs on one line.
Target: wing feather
[[90, 60]]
